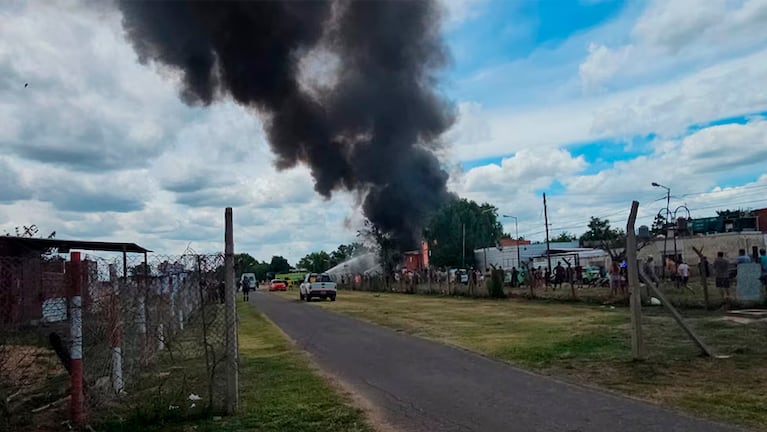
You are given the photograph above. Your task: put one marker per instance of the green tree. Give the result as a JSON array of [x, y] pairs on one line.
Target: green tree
[[315, 262], [344, 252], [279, 264], [603, 236], [565, 237], [245, 263], [445, 231], [386, 246], [657, 225]]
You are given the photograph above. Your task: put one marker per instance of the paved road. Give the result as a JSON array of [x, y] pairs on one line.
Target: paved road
[[419, 385]]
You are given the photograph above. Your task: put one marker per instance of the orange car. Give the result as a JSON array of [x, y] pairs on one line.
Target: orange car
[[278, 285]]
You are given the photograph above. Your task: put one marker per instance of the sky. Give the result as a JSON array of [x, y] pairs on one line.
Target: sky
[[588, 101]]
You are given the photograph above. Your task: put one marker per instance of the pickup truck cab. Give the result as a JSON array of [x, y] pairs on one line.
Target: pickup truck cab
[[317, 285]]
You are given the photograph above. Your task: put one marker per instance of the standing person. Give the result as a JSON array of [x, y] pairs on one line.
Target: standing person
[[579, 275], [722, 275], [559, 275], [684, 273], [649, 271], [538, 277], [671, 268], [547, 277], [743, 258], [514, 276], [615, 278], [763, 262], [245, 289]]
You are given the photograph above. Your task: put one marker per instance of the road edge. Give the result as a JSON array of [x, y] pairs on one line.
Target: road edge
[[372, 414]]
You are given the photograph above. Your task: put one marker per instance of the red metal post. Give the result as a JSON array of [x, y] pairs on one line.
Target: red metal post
[[76, 323]]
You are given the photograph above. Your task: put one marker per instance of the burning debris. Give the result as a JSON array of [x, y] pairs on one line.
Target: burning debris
[[372, 131]]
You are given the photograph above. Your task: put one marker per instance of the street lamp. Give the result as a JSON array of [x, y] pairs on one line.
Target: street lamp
[[668, 198], [665, 237], [516, 233]]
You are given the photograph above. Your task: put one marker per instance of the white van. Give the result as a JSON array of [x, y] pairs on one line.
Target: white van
[[251, 277]]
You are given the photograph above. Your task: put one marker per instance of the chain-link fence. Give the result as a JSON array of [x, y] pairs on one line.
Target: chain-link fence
[[696, 293], [146, 334]]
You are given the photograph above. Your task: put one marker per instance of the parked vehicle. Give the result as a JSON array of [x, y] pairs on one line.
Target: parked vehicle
[[459, 276], [278, 285], [591, 273], [251, 278], [317, 285]]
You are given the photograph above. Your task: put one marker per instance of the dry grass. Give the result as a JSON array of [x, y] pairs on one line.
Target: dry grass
[[591, 344], [690, 297], [31, 377]]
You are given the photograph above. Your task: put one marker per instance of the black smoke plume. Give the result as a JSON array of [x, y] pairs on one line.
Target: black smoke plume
[[373, 132]]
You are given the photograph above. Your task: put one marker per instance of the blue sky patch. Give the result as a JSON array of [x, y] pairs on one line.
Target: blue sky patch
[[741, 120], [513, 29]]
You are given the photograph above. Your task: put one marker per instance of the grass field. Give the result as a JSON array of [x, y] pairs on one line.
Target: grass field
[[279, 390], [591, 345]]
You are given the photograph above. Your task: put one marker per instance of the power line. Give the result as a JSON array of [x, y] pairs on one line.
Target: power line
[[579, 223], [646, 213], [735, 189]]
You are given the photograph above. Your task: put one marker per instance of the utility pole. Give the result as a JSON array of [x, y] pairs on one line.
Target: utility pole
[[546, 221], [666, 227], [463, 245]]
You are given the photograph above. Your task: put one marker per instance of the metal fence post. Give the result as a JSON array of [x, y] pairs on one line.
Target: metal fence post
[[76, 328], [232, 379]]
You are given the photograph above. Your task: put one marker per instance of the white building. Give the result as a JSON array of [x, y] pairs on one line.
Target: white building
[[506, 256]]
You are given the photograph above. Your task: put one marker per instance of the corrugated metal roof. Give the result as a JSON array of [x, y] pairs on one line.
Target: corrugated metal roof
[[35, 244]]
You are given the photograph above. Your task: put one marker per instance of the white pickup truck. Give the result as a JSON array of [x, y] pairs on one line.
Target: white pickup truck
[[317, 285]]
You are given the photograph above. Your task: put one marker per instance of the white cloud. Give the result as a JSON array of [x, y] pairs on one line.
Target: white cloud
[[728, 89], [678, 34], [697, 163], [459, 11], [88, 104], [100, 147], [96, 131]]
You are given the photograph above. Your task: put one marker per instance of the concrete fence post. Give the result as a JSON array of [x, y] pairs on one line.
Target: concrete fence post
[[77, 411], [115, 326], [232, 360]]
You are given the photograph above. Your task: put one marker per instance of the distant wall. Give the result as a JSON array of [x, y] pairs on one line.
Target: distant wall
[[729, 243]]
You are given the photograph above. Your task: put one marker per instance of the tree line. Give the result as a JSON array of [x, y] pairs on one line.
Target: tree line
[[453, 233]]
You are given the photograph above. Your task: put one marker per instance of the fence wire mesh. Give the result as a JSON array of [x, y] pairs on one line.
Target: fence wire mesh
[[696, 293], [153, 337]]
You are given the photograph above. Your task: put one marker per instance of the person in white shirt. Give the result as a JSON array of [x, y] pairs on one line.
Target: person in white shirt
[[684, 273]]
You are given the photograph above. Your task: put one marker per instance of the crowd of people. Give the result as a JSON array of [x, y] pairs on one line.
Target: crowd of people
[[722, 269], [615, 275]]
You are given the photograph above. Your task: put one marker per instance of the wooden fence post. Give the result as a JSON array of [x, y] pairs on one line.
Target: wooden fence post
[[637, 344], [703, 277]]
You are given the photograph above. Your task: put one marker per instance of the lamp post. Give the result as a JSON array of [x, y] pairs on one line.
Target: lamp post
[[516, 233], [668, 198], [668, 215]]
